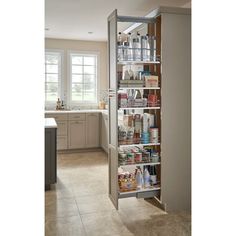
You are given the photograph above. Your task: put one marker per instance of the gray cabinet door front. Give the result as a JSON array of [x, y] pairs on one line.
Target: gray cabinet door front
[[112, 120], [50, 156]]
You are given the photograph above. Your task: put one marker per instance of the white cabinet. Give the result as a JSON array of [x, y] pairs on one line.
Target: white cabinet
[[61, 142], [62, 123], [78, 130], [62, 135], [77, 133], [62, 128], [104, 132], [92, 130]]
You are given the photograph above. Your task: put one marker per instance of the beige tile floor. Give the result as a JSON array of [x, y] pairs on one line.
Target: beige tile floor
[[78, 204]]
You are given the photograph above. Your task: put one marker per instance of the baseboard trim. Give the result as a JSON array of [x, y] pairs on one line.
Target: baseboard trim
[[67, 151]]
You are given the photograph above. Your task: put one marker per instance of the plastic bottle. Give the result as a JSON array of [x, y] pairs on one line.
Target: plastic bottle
[[146, 178], [153, 50], [120, 53], [137, 48], [148, 48], [130, 47], [139, 179], [126, 51], [143, 48]]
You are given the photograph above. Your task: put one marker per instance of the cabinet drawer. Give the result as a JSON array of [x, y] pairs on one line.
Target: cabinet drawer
[[61, 128], [61, 142], [92, 114], [77, 116], [57, 117]]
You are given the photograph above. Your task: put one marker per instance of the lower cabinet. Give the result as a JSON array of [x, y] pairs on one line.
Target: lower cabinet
[[104, 132], [78, 130], [92, 130], [77, 134], [50, 157], [62, 124], [61, 142], [62, 135]]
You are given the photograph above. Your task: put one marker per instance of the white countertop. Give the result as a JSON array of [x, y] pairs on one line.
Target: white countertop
[[50, 123], [76, 111]]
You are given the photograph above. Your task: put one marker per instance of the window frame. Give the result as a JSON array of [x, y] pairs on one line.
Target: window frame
[[71, 103], [52, 104]]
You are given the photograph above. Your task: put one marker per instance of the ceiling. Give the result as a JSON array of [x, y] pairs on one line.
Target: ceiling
[[73, 19]]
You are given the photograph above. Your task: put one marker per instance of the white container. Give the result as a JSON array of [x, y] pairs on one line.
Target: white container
[[139, 179], [146, 178], [137, 49]]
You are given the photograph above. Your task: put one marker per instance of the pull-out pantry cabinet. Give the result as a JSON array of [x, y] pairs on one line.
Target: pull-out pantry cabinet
[[172, 29]]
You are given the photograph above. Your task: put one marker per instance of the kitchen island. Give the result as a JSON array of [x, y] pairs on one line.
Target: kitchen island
[[50, 152]]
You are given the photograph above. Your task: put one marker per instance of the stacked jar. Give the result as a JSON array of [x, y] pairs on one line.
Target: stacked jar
[[153, 135]]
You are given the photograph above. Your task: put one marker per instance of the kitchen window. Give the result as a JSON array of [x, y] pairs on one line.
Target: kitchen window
[[83, 78], [53, 76]]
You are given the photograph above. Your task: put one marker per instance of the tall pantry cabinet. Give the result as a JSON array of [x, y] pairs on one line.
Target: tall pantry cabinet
[[172, 113]]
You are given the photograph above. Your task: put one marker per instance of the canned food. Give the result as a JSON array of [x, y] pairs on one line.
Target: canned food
[[122, 158], [155, 157], [138, 157], [153, 135], [130, 157]]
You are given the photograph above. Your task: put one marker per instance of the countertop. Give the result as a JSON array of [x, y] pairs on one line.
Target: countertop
[[50, 123], [76, 111]]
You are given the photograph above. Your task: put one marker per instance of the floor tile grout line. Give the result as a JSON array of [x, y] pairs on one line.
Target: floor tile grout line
[[81, 218]]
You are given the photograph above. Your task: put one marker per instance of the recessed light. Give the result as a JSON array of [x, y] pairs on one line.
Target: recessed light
[[90, 32], [47, 29]]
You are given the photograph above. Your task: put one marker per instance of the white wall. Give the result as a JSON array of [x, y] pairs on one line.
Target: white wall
[[78, 45]]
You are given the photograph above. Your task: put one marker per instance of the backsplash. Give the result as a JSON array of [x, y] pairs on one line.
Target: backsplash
[[102, 96]]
